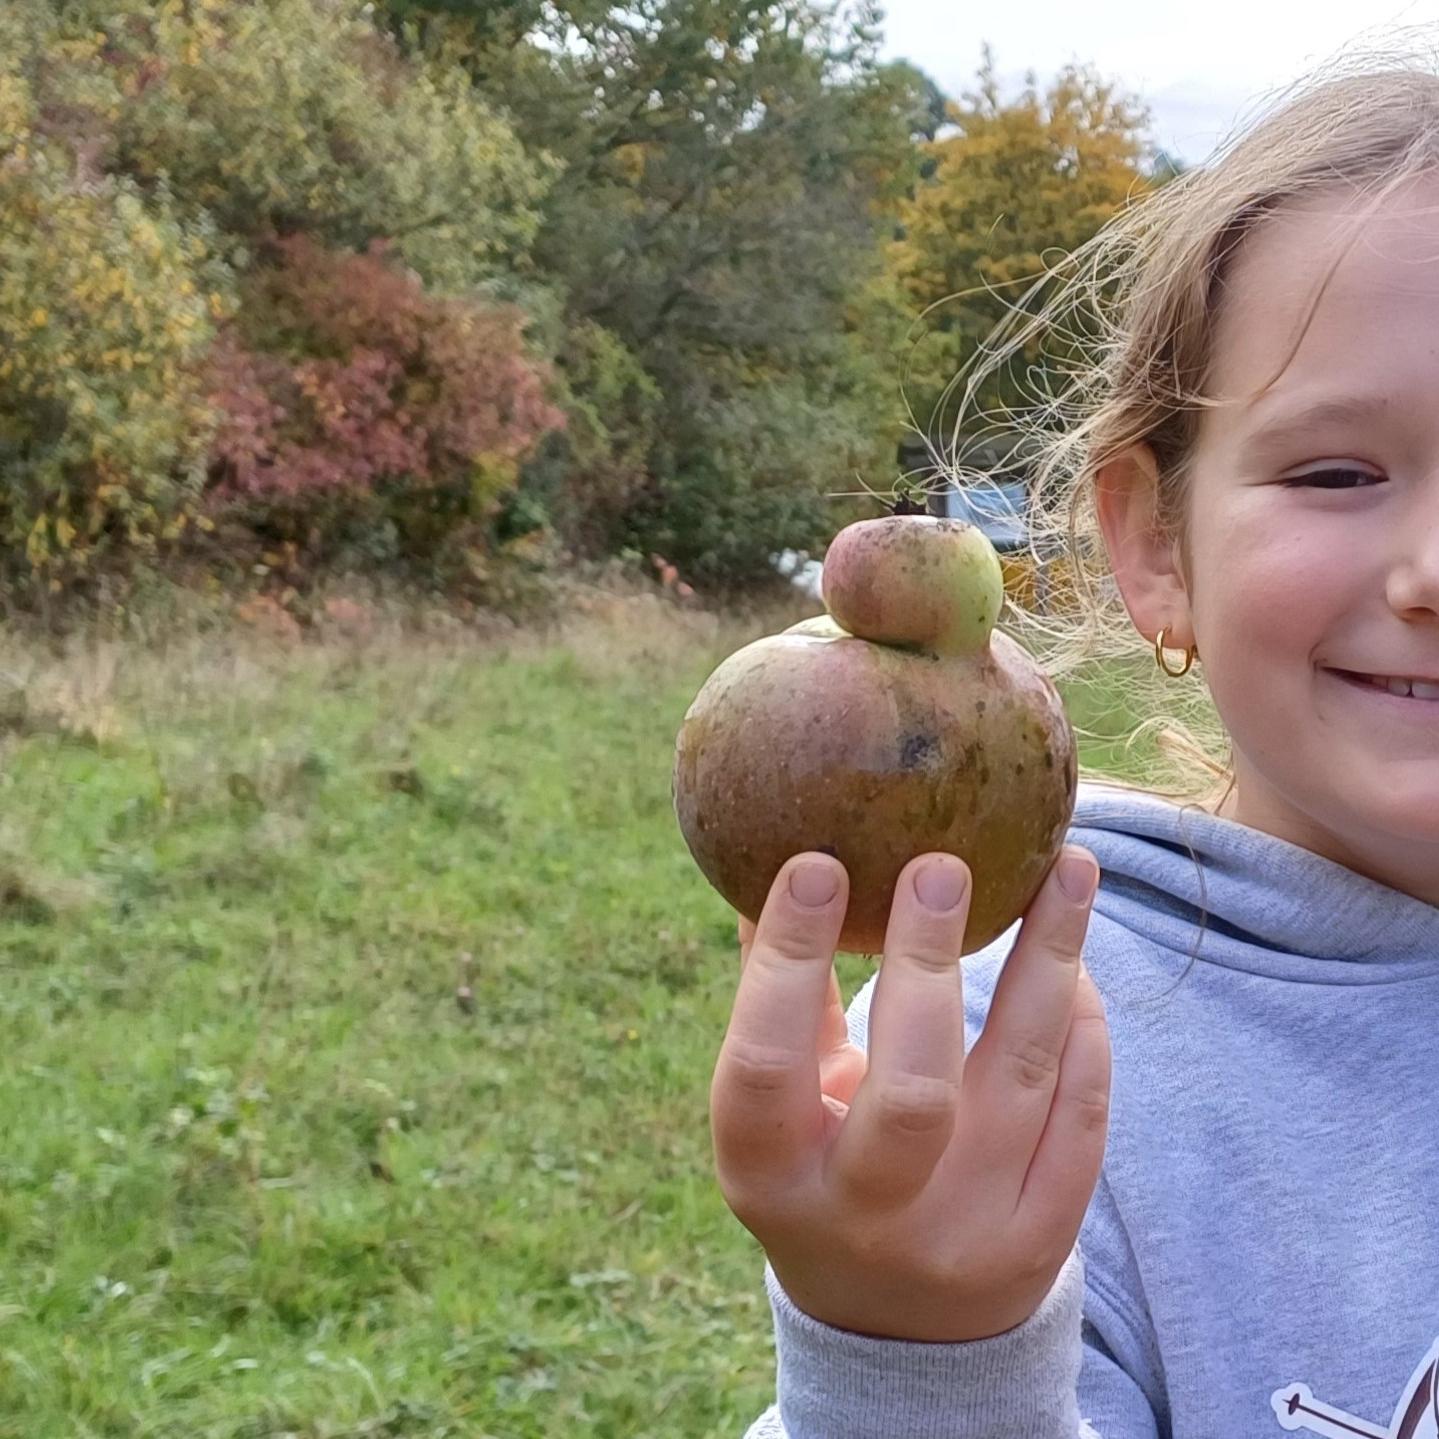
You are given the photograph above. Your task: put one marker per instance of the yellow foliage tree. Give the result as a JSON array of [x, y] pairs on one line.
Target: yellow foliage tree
[[1013, 191], [108, 299], [103, 428]]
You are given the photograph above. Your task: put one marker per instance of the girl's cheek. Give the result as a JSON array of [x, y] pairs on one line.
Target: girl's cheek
[[1272, 592]]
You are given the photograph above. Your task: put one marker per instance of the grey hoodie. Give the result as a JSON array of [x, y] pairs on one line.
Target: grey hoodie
[[1262, 1251]]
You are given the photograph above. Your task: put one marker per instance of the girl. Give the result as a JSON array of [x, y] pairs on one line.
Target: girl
[[971, 1228]]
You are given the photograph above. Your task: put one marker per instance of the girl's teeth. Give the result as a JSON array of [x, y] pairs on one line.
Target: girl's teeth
[[1418, 690]]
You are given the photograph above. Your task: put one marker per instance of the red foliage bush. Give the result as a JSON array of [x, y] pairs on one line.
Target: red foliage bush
[[340, 372]]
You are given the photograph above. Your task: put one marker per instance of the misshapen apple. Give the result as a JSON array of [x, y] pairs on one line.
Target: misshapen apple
[[900, 722]]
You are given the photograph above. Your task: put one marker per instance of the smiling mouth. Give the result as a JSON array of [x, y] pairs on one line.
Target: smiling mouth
[[1400, 687]]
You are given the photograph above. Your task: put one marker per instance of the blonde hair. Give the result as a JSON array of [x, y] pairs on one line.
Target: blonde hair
[[1136, 312]]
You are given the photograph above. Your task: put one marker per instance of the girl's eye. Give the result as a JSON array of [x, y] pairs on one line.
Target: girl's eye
[[1331, 479]]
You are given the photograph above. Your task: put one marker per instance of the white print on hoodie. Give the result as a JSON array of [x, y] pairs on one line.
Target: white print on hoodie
[[1416, 1416]]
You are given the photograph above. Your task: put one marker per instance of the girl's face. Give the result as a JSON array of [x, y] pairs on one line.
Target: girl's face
[[1314, 536]]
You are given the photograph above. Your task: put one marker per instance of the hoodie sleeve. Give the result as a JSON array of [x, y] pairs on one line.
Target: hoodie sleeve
[[1056, 1376], [837, 1385], [1040, 1380]]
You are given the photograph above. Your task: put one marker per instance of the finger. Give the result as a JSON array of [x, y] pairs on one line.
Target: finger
[[765, 1106], [1014, 1066], [1066, 1165], [841, 1064], [746, 938], [841, 1072], [902, 1116]]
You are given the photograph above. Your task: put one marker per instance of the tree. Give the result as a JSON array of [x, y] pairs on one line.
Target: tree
[[1167, 167], [1017, 189], [932, 107], [106, 314], [294, 116], [252, 259], [732, 169]]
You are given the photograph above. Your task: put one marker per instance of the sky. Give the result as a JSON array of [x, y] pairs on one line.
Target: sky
[[1202, 68]]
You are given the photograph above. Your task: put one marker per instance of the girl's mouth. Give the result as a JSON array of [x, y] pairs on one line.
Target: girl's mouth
[[1397, 690]]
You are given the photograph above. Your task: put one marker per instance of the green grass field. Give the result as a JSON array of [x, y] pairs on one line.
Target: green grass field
[[261, 1172]]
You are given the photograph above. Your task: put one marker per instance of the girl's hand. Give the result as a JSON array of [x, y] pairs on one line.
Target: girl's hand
[[919, 1193]]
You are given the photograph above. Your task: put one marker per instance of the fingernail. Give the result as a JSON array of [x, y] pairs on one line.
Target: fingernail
[[1077, 874], [813, 885], [939, 886]]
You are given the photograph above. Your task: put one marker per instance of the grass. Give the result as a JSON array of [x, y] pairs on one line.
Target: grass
[[264, 1172]]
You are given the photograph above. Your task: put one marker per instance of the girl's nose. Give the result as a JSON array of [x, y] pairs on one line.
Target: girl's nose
[[1413, 584]]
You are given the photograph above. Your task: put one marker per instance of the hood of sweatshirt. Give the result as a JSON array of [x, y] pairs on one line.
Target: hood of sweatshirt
[[1235, 896]]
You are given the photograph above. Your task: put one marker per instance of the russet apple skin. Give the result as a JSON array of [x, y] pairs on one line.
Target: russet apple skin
[[814, 739]]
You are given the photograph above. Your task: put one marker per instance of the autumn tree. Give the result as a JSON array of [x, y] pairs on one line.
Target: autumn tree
[[731, 172], [252, 271], [1011, 194]]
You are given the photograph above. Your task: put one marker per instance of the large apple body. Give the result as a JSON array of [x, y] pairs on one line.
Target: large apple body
[[945, 735]]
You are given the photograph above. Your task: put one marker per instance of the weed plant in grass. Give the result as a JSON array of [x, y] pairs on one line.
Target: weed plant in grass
[[263, 1175]]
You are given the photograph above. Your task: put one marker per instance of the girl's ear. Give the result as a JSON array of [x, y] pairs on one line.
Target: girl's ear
[[1146, 562]]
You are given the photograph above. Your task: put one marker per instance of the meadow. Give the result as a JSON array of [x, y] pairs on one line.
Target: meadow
[[359, 1003]]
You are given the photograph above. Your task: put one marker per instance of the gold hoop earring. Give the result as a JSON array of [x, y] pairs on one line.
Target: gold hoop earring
[[1190, 655]]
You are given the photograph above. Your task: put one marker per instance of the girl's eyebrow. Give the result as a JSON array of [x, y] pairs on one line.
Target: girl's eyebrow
[[1342, 409]]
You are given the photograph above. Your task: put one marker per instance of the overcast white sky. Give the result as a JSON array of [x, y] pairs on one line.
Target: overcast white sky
[[1201, 68]]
